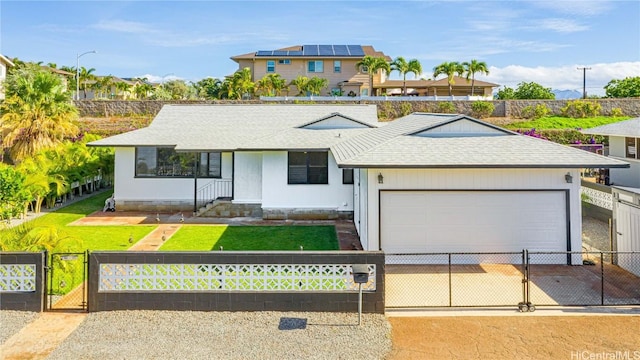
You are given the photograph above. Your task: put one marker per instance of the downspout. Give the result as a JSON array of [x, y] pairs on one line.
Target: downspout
[[195, 184]]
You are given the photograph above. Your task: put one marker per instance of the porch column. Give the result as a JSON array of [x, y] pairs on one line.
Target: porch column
[[195, 183]]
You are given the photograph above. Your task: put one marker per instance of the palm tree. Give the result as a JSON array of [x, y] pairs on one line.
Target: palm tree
[[242, 84], [271, 85], [123, 87], [450, 69], [316, 84], [37, 113], [86, 75], [102, 83], [473, 67], [373, 65], [403, 67], [142, 90], [301, 83]]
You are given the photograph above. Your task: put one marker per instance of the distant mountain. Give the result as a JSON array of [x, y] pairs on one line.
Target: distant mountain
[[567, 94]]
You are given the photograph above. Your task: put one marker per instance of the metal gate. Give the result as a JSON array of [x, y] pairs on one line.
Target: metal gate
[[67, 274]]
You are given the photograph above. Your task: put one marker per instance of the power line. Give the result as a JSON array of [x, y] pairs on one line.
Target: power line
[[584, 81]]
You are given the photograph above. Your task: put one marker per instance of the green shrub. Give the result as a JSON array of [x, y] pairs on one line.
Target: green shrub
[[581, 109], [482, 109], [617, 112], [537, 112], [405, 108], [564, 136], [446, 108], [385, 111]]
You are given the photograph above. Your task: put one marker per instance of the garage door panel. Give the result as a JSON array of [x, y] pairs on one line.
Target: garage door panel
[[472, 221]]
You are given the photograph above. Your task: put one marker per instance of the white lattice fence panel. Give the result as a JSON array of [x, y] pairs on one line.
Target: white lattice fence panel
[[231, 277], [17, 278], [597, 197]]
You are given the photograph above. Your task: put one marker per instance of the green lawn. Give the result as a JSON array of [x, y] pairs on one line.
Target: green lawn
[[91, 237], [559, 122], [205, 238]]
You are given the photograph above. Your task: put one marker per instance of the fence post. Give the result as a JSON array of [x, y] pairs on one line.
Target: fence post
[[450, 292], [601, 278]]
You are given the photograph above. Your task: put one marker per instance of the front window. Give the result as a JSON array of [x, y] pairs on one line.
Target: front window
[[271, 66], [347, 176], [337, 66], [284, 62], [316, 66], [166, 162], [308, 167], [631, 148]]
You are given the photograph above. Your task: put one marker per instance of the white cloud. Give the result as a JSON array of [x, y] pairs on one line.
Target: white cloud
[[566, 77], [561, 25], [125, 26], [575, 7]]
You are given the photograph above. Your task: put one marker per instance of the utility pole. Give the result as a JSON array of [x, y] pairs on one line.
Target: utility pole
[[584, 81]]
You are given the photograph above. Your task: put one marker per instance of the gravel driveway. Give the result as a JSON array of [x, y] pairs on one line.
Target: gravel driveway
[[226, 335]]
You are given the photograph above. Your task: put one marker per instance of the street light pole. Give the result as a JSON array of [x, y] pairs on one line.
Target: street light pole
[[78, 71]]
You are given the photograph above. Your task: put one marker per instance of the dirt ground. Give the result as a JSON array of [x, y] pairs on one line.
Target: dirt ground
[[515, 337]]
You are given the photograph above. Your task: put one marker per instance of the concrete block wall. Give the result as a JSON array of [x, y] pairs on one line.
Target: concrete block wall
[[373, 302], [25, 301]]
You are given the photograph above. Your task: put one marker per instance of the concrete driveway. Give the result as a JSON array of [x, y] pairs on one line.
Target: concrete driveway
[[539, 335]]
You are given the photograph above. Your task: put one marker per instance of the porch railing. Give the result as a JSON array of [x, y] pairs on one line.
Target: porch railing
[[218, 188]]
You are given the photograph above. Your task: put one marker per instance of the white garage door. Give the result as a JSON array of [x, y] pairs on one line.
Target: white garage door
[[472, 221]]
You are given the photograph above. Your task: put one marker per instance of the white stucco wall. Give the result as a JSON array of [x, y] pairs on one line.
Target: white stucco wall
[[278, 194], [463, 179], [623, 177], [248, 178], [129, 188]]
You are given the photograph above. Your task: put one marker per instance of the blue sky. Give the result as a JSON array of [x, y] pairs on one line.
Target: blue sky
[[520, 41]]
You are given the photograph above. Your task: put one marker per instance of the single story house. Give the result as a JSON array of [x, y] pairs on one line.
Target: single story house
[[421, 183], [624, 144]]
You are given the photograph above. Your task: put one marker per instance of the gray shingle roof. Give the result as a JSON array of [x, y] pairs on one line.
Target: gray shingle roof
[[242, 127], [393, 146], [276, 127], [629, 128]]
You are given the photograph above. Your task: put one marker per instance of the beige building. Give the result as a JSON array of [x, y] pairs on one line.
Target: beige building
[[336, 63], [5, 63]]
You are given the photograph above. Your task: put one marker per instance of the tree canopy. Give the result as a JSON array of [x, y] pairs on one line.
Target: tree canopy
[[625, 88], [37, 113], [526, 90]]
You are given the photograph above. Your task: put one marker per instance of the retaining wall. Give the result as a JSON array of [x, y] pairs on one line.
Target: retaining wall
[[503, 108]]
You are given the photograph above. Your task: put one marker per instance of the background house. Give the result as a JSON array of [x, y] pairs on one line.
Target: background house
[[624, 144], [5, 63], [336, 63], [440, 87]]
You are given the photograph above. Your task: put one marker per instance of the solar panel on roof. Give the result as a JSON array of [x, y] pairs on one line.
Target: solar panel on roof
[[264, 53], [295, 53], [280, 53], [310, 50], [340, 50], [355, 50], [325, 50]]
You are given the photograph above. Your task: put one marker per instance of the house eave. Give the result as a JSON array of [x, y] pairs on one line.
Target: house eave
[[481, 166]]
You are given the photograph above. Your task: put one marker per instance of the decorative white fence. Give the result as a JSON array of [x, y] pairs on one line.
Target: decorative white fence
[[17, 278], [231, 277], [597, 197]]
